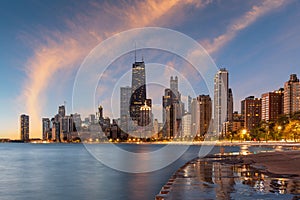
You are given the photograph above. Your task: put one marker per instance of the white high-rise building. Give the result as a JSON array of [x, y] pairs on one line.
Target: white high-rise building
[[195, 117], [220, 100], [186, 125]]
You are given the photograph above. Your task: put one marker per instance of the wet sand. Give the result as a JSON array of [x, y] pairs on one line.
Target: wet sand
[[279, 163], [225, 176]]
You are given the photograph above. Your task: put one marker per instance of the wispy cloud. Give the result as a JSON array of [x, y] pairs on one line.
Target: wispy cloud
[[243, 22], [65, 50]]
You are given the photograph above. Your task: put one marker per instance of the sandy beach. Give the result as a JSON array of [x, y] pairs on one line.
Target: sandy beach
[[261, 176]]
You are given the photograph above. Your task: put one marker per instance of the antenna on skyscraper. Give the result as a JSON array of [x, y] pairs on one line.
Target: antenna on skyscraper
[[135, 52], [65, 105]]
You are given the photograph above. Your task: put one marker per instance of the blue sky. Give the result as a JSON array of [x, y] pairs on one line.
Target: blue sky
[[43, 43]]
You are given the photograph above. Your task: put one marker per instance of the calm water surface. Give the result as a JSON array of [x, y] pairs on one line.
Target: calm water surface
[[68, 171]]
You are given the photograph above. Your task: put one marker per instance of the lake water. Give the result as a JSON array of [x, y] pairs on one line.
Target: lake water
[[69, 171]]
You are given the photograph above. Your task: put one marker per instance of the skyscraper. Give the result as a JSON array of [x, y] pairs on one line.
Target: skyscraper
[[201, 114], [174, 84], [92, 118], [125, 94], [173, 109], [291, 95], [169, 113], [251, 111], [271, 105], [220, 100], [46, 128], [63, 126], [24, 127], [77, 120], [156, 129], [230, 106], [145, 115], [186, 125], [62, 110], [195, 117], [189, 104], [138, 92], [205, 107]]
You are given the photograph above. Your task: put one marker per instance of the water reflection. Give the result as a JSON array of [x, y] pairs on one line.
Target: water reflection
[[244, 150], [214, 179], [261, 182]]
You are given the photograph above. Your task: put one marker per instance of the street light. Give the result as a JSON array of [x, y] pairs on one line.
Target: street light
[[244, 132], [279, 130]]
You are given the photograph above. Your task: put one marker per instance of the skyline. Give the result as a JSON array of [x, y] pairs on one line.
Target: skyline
[[45, 43]]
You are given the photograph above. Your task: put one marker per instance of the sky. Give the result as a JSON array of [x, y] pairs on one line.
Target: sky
[[44, 43]]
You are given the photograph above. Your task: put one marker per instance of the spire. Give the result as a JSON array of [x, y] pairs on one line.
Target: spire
[[135, 52]]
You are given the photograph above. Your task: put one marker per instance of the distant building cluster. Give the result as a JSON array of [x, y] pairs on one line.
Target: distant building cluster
[[255, 110], [202, 115], [272, 105], [61, 127]]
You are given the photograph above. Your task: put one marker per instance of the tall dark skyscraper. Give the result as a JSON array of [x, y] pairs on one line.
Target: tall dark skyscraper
[[46, 128], [62, 111], [230, 106], [24, 127], [138, 93]]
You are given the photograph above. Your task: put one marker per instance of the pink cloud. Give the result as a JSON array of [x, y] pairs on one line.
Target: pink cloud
[[64, 50], [244, 21]]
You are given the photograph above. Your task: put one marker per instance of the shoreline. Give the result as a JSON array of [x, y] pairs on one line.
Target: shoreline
[[216, 143], [283, 165]]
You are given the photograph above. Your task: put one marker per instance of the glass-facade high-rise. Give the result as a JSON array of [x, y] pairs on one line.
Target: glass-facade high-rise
[[138, 93]]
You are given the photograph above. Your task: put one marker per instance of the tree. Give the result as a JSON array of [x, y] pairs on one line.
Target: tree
[[259, 133], [292, 130]]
